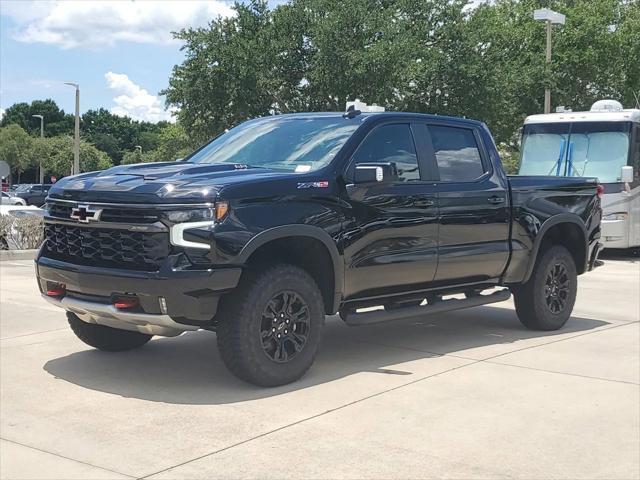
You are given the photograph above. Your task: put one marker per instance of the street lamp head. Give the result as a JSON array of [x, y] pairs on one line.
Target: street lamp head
[[548, 15], [38, 116], [72, 84]]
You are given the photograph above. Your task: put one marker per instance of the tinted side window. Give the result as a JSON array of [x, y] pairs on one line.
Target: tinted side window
[[391, 143], [457, 153], [36, 188]]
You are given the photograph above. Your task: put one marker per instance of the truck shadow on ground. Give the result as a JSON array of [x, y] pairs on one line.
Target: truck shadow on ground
[[188, 369]]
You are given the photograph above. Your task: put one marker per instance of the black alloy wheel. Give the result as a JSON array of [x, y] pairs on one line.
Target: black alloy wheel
[[284, 326], [556, 288]]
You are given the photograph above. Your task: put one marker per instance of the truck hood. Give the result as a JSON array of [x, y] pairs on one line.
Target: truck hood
[[163, 182]]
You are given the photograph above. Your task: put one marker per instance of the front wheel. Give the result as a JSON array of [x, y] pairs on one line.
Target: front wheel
[[546, 301], [269, 327]]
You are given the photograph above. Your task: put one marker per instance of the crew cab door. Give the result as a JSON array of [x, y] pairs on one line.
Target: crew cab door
[[391, 231], [474, 211]]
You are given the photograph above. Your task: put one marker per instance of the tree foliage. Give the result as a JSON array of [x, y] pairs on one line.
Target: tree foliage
[[15, 148], [116, 135], [56, 121], [483, 61], [172, 143], [110, 133], [57, 156]]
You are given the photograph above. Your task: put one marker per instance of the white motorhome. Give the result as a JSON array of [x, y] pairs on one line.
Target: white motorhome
[[604, 143]]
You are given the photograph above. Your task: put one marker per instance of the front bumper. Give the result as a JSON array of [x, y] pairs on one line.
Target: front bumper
[[110, 316], [615, 233], [169, 301]]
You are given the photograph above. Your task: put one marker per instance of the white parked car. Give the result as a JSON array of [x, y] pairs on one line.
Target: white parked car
[[8, 199], [20, 227]]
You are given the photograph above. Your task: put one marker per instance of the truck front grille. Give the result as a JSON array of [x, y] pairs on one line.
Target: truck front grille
[[102, 247], [109, 214]]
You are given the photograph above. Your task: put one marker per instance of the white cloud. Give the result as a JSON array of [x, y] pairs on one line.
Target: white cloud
[[98, 23], [134, 101]]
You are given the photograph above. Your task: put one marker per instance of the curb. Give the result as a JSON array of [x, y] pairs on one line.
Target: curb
[[7, 255]]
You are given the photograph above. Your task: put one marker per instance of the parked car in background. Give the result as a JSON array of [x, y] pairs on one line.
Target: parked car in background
[[33, 194], [10, 199], [20, 227]]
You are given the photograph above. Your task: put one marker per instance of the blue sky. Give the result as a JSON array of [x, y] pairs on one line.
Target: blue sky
[[120, 52]]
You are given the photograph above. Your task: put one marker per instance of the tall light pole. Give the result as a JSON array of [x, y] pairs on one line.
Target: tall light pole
[[551, 18], [76, 138], [41, 136]]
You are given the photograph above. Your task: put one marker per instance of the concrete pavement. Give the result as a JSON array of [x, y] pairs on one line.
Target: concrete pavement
[[468, 394]]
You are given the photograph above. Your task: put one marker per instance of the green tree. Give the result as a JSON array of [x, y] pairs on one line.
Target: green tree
[[116, 135], [134, 156], [483, 61], [15, 147], [172, 143], [56, 121], [219, 83], [18, 114], [57, 156]]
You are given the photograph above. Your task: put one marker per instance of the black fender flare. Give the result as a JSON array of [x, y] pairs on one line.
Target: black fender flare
[[544, 228], [309, 231]]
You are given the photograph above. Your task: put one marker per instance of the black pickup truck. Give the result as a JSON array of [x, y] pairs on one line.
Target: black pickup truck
[[282, 220]]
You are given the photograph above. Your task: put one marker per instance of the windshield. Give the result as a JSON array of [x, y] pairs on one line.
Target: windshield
[[295, 144], [583, 149]]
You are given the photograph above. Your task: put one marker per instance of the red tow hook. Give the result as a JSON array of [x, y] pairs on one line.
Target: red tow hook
[[125, 303], [56, 290]]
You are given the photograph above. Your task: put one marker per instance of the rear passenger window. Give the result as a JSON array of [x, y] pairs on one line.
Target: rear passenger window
[[391, 143], [457, 154]]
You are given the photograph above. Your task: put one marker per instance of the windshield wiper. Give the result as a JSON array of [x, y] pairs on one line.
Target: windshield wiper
[[558, 163]]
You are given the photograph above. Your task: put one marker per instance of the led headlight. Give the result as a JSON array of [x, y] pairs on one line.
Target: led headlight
[[615, 216], [194, 215], [201, 218]]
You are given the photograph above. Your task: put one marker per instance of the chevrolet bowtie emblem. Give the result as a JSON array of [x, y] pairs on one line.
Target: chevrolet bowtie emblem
[[85, 214]]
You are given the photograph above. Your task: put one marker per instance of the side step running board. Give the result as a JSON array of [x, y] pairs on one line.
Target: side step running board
[[366, 318]]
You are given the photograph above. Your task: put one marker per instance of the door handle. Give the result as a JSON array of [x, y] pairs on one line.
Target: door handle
[[495, 199]]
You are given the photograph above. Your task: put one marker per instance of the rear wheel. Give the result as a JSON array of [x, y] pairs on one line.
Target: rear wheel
[[546, 301], [106, 338], [270, 326]]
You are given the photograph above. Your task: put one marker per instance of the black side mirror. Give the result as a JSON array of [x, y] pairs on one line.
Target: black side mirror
[[375, 173]]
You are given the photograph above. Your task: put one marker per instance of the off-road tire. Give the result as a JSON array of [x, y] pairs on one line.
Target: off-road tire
[[532, 298], [241, 321], [106, 338]]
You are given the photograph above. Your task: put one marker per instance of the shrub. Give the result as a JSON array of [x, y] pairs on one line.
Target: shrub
[[25, 232]]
